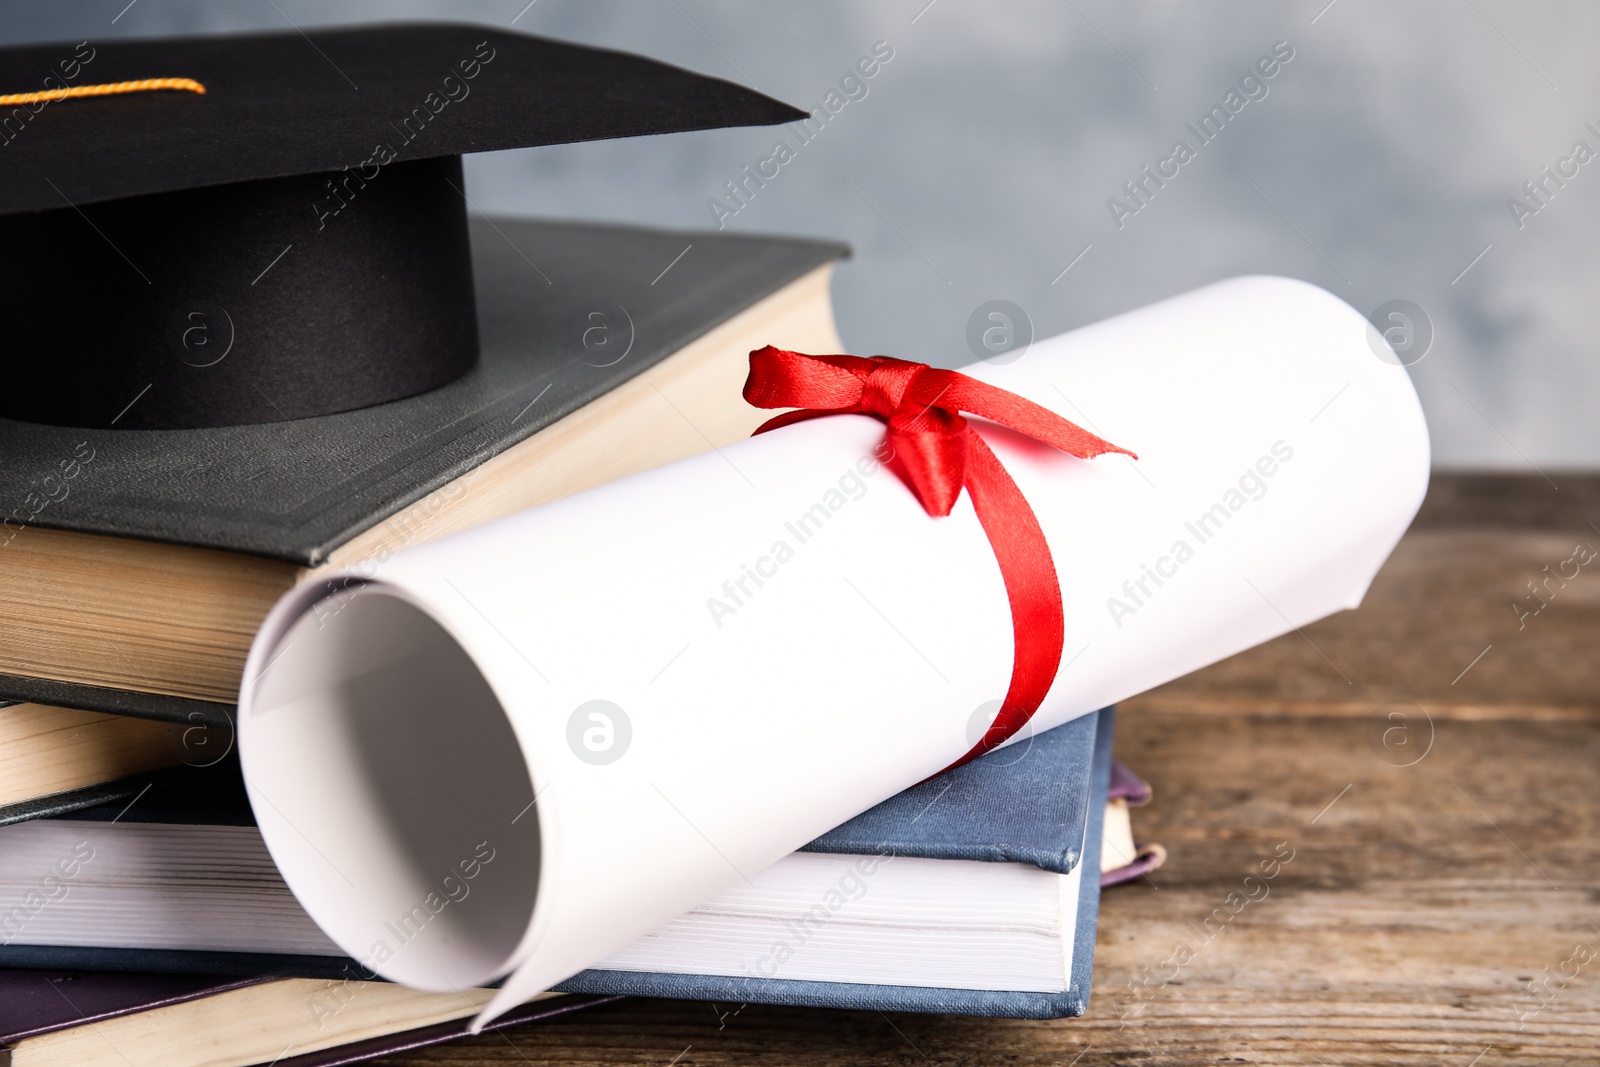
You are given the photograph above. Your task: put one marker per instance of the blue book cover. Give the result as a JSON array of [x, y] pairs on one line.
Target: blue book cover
[[1038, 802]]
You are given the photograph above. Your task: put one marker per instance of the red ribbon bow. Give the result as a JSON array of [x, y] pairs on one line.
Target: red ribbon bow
[[936, 452]]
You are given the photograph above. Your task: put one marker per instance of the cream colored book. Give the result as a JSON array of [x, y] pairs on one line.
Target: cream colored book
[[51, 757]]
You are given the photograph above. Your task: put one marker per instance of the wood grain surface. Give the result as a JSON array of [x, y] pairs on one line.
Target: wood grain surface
[[1433, 762]]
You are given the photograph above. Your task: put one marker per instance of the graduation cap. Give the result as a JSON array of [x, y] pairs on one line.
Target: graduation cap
[[225, 231]]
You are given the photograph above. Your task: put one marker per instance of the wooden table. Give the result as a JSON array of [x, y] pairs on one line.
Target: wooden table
[[1433, 761]]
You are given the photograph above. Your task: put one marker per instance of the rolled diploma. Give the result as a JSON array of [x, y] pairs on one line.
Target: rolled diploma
[[398, 727]]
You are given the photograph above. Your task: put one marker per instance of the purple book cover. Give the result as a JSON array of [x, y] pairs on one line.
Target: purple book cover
[[1125, 785]]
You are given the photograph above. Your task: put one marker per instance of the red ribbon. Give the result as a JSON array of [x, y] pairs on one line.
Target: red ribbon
[[936, 452]]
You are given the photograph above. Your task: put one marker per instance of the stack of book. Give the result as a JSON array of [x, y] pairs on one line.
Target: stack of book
[[151, 926], [141, 918]]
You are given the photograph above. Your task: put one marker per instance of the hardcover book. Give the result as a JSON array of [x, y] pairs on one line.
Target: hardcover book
[[57, 759], [1009, 931], [975, 892]]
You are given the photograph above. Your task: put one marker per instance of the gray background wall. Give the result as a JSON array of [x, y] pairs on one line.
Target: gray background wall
[[981, 160]]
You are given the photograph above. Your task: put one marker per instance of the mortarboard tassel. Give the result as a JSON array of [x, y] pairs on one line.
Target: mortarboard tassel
[[144, 85]]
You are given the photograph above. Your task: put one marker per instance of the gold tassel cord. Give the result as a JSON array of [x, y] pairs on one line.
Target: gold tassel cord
[[108, 89]]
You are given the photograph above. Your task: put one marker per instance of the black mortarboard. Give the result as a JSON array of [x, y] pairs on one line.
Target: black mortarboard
[[292, 241]]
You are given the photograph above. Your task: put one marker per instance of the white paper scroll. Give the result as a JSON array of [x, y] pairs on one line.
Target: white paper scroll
[[521, 748]]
